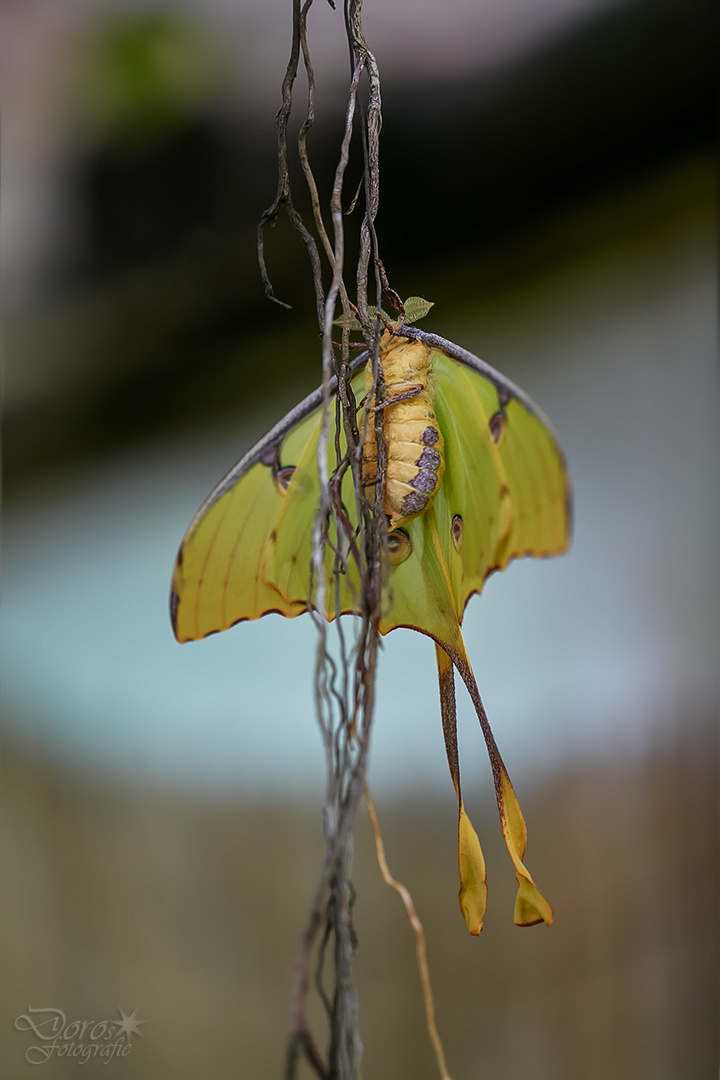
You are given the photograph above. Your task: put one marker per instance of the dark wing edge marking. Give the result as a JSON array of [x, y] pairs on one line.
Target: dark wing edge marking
[[262, 449], [504, 387]]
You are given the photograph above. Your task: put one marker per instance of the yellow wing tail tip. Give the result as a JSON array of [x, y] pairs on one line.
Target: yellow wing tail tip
[[473, 875], [531, 907], [473, 904], [531, 922], [474, 926]]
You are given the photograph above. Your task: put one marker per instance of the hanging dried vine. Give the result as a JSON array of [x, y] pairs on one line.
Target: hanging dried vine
[[345, 669]]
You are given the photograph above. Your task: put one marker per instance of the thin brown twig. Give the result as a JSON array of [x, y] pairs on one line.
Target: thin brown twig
[[284, 196], [404, 894], [305, 161], [371, 147]]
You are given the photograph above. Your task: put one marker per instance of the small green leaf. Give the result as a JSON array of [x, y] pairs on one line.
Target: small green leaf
[[416, 308]]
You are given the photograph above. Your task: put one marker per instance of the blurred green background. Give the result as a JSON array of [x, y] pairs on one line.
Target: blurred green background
[[548, 179]]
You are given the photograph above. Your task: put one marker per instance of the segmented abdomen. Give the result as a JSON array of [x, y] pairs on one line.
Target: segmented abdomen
[[413, 438]]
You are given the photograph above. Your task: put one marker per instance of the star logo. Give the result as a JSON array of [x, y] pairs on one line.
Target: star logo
[[130, 1025]]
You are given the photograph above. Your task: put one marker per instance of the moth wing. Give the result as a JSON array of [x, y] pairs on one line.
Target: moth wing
[[505, 494], [219, 576]]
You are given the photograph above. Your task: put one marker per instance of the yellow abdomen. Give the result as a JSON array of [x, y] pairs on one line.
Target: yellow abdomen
[[413, 438]]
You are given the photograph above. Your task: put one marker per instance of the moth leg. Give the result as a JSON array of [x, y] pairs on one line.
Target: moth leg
[[398, 397]]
